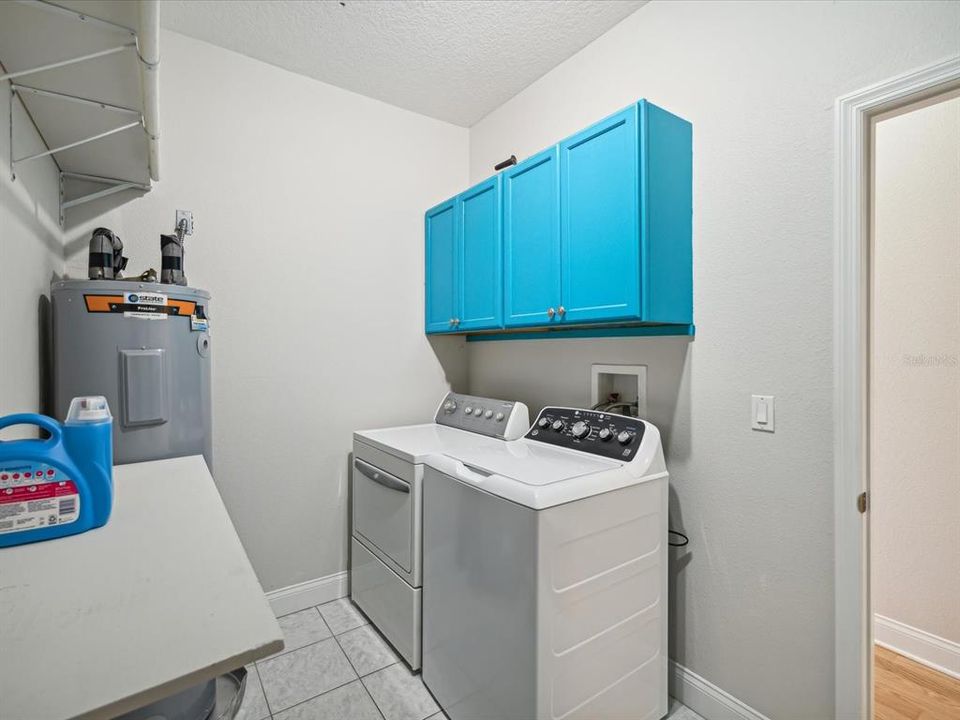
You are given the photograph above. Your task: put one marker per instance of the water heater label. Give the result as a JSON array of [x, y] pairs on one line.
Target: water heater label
[[147, 305], [29, 507], [142, 298], [151, 306]]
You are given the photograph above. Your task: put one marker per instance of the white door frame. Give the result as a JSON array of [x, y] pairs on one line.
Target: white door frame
[[853, 620]]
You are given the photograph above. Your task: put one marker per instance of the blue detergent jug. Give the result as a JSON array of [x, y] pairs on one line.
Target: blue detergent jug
[[62, 485]]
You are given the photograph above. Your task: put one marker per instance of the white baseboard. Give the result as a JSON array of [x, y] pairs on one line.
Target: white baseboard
[[286, 600], [927, 649], [706, 699]]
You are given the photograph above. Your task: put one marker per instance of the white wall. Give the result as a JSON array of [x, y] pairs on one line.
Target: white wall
[[31, 254], [752, 596], [915, 388], [308, 202]]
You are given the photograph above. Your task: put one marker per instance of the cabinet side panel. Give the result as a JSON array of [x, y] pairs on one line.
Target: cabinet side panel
[[667, 205]]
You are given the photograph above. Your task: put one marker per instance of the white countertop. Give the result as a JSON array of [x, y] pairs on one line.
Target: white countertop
[[160, 598]]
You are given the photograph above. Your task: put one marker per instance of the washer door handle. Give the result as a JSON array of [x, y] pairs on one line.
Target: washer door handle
[[471, 473], [380, 477]]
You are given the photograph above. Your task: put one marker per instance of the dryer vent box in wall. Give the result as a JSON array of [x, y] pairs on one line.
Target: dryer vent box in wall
[[627, 382]]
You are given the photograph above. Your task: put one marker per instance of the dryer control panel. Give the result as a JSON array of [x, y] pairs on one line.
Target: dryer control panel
[[502, 419], [614, 436]]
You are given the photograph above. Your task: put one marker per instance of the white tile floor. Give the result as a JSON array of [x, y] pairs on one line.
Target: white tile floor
[[336, 666]]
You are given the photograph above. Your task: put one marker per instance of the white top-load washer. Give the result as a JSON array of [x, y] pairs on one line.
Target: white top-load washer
[[545, 573], [386, 542]]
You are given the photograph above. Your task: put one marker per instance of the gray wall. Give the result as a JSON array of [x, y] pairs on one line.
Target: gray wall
[[31, 253], [308, 202], [753, 594]]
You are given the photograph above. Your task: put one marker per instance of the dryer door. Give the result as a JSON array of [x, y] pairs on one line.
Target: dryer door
[[383, 512]]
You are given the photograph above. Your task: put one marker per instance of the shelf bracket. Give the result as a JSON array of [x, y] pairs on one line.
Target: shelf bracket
[[71, 61], [76, 143], [115, 185], [73, 98], [14, 89], [13, 94]]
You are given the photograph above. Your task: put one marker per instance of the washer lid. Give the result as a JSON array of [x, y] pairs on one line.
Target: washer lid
[[414, 443], [532, 463], [533, 474]]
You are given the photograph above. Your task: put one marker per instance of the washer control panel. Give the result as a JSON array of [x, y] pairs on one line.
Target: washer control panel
[[502, 419], [613, 436]]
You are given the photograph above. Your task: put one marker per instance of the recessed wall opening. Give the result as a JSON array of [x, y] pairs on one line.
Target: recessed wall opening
[[620, 389]]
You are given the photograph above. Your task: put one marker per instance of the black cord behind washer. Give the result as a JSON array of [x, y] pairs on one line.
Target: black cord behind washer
[[685, 541]]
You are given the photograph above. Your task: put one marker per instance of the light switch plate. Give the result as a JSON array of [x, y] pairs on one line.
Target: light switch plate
[[762, 412]]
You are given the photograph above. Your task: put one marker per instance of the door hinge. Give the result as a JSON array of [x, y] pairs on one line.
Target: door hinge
[[862, 502]]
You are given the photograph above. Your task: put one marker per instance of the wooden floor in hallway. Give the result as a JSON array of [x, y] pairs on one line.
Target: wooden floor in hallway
[[906, 690]]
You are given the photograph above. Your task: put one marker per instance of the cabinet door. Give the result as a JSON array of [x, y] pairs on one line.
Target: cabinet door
[[441, 267], [600, 231], [531, 240], [481, 258]]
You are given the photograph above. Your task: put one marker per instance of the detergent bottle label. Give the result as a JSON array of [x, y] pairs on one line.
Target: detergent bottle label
[[36, 496]]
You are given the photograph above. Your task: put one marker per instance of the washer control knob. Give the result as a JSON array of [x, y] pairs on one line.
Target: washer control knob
[[580, 429], [488, 414], [605, 434], [557, 425], [449, 406], [500, 417], [543, 422], [469, 410], [625, 438]]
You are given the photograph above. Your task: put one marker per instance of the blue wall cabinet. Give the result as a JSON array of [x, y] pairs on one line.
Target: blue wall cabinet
[[531, 240], [464, 261], [481, 257], [441, 267], [596, 231]]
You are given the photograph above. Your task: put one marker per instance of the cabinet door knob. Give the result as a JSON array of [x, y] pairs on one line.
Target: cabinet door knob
[[451, 321], [562, 310], [551, 312], [456, 321]]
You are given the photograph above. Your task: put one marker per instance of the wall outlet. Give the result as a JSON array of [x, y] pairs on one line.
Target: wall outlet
[[188, 216], [762, 412]]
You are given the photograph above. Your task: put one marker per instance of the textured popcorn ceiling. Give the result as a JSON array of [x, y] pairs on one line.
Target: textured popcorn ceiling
[[455, 60]]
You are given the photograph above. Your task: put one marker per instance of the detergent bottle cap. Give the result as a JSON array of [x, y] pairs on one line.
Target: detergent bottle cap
[[90, 409]]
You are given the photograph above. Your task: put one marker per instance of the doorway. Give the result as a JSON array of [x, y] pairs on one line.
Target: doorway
[[856, 115], [914, 410]]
